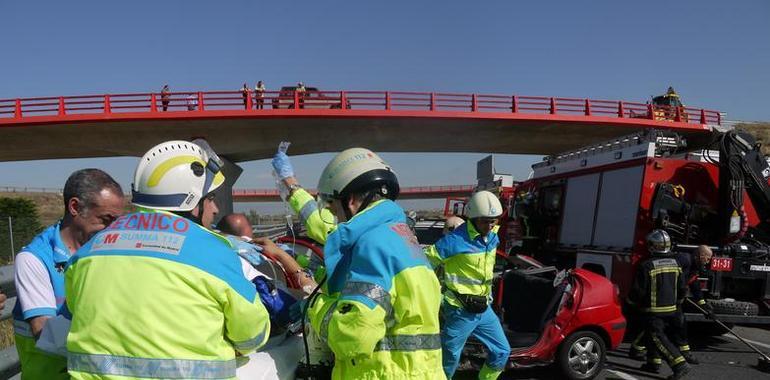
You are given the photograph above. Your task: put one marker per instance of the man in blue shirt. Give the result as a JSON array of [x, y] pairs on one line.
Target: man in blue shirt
[[92, 200]]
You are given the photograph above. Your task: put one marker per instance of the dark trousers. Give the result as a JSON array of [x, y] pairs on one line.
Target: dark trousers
[[660, 333], [677, 332]]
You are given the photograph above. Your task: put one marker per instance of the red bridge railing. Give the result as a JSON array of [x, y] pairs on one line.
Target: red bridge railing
[[153, 103]]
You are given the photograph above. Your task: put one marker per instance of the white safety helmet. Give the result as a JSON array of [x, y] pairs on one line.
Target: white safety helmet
[[483, 204], [355, 170], [176, 175]]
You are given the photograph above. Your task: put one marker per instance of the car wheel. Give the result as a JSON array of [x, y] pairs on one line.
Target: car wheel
[[581, 356]]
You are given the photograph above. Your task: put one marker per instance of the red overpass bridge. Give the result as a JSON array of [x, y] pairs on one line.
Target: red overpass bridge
[[416, 192], [323, 121]]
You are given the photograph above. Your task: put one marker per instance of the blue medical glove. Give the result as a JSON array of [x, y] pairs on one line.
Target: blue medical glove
[[281, 162], [249, 251]]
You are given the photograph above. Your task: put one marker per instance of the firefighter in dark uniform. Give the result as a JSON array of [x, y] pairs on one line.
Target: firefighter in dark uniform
[[657, 292], [692, 265]]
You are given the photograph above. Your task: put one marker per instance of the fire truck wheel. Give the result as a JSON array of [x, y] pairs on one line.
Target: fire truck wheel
[[732, 307], [582, 355]]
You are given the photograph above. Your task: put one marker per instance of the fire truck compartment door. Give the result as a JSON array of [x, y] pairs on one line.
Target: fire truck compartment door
[[618, 208], [600, 209], [579, 208]]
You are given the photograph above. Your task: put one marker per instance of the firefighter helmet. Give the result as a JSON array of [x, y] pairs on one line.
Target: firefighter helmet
[[659, 242]]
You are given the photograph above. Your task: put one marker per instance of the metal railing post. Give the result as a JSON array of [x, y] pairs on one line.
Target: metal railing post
[[200, 101], [719, 118], [107, 105], [515, 106], [153, 103], [621, 111], [10, 231], [249, 101], [62, 111], [553, 106], [17, 109], [702, 116], [432, 101], [588, 107], [678, 114], [387, 100], [343, 100], [296, 100], [650, 111], [474, 103]]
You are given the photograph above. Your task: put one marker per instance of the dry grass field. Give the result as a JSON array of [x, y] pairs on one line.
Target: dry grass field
[[761, 131]]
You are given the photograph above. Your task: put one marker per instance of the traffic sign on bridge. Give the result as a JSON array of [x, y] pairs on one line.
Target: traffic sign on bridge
[[322, 121]]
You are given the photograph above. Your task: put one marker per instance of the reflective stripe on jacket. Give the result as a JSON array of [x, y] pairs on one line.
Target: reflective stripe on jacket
[[379, 313], [318, 223], [468, 259], [157, 296], [658, 286]]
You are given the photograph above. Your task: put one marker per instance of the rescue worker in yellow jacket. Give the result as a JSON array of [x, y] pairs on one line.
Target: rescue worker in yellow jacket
[[379, 309], [318, 222], [157, 294], [468, 257]]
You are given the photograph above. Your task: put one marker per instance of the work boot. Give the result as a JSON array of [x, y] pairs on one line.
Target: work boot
[[680, 371], [689, 358], [637, 353], [650, 367]]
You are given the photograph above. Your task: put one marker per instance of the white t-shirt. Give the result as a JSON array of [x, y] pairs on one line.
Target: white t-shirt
[[33, 286], [249, 271]]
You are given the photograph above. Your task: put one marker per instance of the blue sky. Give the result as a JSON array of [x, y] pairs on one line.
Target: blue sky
[[715, 53]]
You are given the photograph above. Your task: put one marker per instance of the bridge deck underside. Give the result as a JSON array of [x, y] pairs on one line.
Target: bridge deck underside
[[248, 137]]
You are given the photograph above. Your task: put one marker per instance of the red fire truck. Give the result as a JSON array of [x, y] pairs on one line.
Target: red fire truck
[[592, 208]]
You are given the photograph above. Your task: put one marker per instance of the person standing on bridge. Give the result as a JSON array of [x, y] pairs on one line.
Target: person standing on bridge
[[192, 102], [259, 95], [165, 96], [246, 95], [92, 200], [157, 294], [468, 256], [379, 309]]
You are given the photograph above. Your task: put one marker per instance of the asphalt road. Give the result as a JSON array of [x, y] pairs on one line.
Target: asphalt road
[[721, 357]]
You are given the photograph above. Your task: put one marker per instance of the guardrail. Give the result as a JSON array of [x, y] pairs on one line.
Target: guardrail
[[202, 101], [24, 189], [404, 190], [271, 231]]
